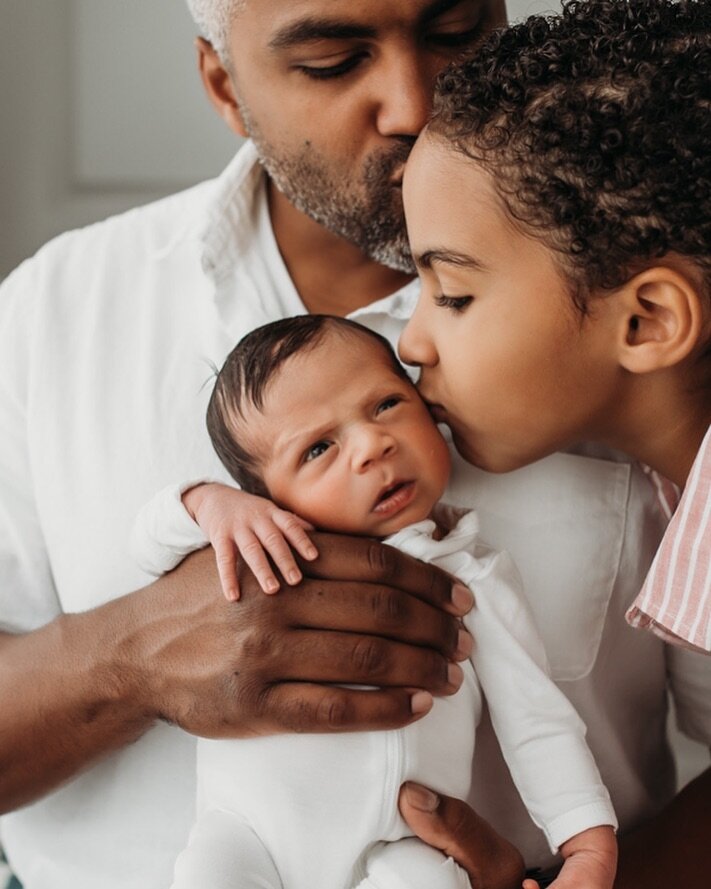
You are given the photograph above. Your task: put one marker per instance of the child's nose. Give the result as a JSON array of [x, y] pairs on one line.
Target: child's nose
[[415, 345], [373, 444]]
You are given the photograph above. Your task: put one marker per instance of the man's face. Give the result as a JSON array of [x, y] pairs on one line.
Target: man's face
[[334, 92], [345, 442], [513, 368]]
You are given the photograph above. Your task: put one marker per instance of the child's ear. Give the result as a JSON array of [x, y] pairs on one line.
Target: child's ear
[[661, 321], [219, 87]]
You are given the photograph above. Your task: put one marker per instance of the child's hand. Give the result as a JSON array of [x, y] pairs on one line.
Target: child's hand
[[590, 861], [234, 520]]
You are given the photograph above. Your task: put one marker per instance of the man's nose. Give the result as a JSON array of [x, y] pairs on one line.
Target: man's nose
[[404, 95], [371, 445]]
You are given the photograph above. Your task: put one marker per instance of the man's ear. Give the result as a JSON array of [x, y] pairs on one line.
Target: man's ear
[[661, 320], [218, 86]]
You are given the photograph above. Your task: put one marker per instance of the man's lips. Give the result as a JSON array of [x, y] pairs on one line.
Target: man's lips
[[394, 497], [437, 411]]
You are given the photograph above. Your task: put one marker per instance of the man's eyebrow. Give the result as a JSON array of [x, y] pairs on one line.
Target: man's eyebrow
[[447, 257], [309, 29]]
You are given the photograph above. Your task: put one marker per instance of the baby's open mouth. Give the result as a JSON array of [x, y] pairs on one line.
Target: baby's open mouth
[[394, 496]]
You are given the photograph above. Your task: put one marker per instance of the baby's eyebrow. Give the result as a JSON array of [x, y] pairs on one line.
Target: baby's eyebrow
[[447, 257]]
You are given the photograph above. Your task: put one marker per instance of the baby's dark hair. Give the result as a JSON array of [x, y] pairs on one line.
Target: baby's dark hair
[[249, 369], [596, 128]]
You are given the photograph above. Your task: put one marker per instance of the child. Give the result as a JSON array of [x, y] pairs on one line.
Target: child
[[559, 210], [317, 414]]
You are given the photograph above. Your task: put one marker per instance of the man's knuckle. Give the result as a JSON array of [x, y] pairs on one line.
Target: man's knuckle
[[333, 711], [389, 607], [369, 656], [382, 560], [258, 645]]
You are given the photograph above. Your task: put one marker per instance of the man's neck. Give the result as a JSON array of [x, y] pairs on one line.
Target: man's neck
[[331, 275]]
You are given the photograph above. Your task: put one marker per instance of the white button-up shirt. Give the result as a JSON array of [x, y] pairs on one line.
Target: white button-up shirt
[[107, 340]]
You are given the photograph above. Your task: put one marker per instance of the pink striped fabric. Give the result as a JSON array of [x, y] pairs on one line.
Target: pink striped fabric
[[675, 601]]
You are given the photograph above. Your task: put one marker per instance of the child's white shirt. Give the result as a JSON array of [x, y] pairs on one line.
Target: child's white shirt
[[318, 803]]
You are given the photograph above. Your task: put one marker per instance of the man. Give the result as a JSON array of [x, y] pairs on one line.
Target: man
[[105, 341]]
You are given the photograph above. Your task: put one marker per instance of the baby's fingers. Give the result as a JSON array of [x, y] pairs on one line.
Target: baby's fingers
[[251, 549], [294, 528], [227, 567], [274, 543]]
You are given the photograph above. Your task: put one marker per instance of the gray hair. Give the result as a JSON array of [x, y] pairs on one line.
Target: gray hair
[[214, 18]]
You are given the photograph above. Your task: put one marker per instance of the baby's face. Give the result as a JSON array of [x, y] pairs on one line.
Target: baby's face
[[346, 443]]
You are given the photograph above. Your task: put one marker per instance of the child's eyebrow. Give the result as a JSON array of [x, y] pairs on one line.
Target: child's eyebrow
[[447, 257]]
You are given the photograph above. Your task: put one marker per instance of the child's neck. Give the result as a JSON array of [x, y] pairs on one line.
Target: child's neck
[[663, 427]]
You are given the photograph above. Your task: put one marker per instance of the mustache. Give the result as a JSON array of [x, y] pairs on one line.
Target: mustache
[[381, 165]]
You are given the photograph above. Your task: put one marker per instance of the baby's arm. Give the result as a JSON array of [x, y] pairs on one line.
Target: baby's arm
[[177, 522], [541, 736]]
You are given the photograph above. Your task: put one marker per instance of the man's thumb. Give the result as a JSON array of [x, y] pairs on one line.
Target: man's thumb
[[451, 826]]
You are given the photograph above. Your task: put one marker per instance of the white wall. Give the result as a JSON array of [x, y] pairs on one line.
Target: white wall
[[101, 108]]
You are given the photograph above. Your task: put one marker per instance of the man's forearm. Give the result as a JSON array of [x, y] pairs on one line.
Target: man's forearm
[[66, 701], [673, 849]]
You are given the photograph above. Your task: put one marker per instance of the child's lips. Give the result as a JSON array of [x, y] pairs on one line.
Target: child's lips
[[394, 498]]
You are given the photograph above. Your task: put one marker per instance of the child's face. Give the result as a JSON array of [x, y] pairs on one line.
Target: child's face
[[346, 443], [516, 371]]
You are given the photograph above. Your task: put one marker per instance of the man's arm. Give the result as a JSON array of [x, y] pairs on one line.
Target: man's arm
[[87, 684], [669, 850]]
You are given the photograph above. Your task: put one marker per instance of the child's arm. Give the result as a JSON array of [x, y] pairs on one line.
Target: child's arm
[[236, 522], [178, 521], [590, 861]]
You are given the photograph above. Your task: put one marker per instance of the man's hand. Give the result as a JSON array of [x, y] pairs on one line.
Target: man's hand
[[90, 683], [453, 827], [364, 614]]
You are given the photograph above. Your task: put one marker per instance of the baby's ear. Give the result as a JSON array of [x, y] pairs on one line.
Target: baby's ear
[[661, 320]]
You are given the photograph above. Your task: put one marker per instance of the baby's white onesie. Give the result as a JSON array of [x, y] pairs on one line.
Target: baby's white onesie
[[320, 811]]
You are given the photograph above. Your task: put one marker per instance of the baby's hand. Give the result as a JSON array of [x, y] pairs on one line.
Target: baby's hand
[[590, 861], [253, 526]]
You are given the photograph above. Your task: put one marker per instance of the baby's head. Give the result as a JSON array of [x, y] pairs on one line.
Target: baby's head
[[317, 413], [557, 204]]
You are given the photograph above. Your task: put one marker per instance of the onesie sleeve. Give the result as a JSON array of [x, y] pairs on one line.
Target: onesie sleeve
[[164, 533], [542, 738]]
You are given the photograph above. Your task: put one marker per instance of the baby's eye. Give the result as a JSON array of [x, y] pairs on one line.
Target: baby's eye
[[316, 450], [388, 403]]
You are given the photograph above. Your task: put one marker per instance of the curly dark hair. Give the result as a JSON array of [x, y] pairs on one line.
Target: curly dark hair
[[596, 127]]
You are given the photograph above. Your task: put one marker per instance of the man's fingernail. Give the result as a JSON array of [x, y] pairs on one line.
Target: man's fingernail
[[462, 598], [455, 675], [271, 586], [465, 645], [421, 702], [311, 552], [421, 798], [294, 576]]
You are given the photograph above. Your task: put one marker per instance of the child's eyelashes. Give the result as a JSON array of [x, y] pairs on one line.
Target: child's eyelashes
[[455, 303]]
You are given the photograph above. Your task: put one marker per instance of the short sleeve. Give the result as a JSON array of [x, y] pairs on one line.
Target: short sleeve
[[28, 597]]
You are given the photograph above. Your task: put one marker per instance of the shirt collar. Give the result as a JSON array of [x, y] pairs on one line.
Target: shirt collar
[[228, 230]]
